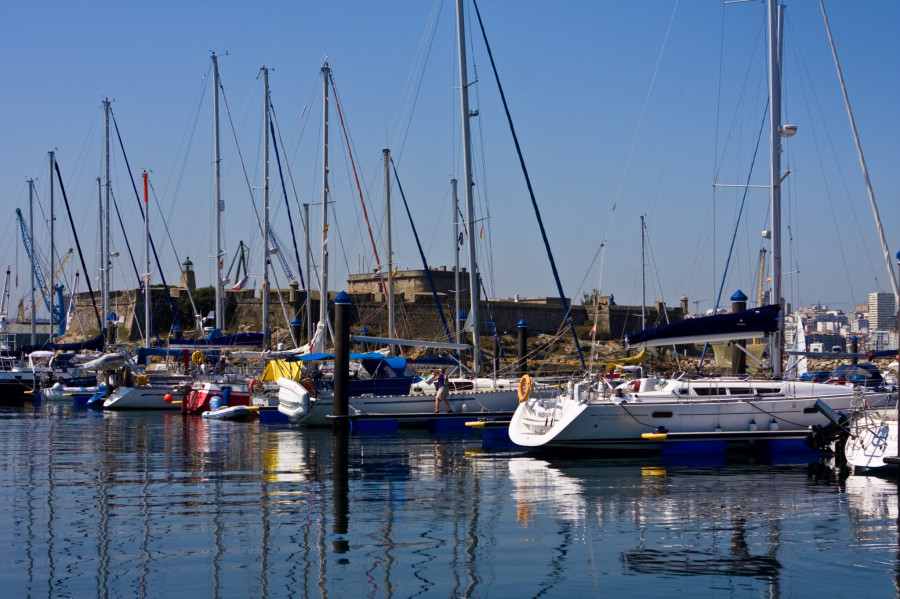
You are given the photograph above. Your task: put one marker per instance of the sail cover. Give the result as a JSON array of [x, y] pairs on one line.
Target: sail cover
[[747, 324]]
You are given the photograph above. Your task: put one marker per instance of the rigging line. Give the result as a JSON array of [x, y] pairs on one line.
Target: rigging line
[[736, 226], [337, 104], [828, 195], [862, 161], [137, 275], [286, 202], [562, 297], [87, 279], [287, 166], [741, 209], [434, 295], [138, 198], [847, 194], [177, 259], [433, 19], [187, 149], [241, 159], [640, 120]]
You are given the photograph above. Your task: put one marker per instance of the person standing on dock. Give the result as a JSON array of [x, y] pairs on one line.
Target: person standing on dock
[[440, 392]]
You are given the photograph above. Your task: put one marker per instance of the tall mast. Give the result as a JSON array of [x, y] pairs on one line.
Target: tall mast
[[775, 16], [323, 286], [390, 263], [455, 223], [308, 276], [220, 205], [104, 271], [643, 280], [147, 257], [31, 233], [265, 285], [52, 247], [467, 178]]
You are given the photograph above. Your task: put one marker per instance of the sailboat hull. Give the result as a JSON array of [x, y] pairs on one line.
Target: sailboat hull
[[618, 423]]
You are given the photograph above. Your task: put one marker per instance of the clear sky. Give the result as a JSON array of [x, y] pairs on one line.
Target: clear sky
[[622, 109]]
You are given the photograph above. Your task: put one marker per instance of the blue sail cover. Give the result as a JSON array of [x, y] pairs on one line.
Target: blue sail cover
[[747, 324]]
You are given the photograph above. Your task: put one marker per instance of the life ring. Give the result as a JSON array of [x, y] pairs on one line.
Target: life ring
[[524, 387], [198, 358], [254, 384]]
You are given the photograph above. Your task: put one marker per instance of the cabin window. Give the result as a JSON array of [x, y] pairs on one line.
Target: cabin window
[[662, 414], [706, 390], [811, 410]]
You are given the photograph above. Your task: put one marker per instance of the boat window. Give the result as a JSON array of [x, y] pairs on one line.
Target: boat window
[[662, 414], [811, 410], [706, 390], [739, 391]]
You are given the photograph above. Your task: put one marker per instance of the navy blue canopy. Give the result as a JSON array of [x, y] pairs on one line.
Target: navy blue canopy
[[747, 324]]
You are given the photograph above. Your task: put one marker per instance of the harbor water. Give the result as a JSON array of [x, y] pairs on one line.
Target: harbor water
[[101, 504]]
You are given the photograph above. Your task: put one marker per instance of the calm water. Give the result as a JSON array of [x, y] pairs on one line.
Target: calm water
[[156, 505]]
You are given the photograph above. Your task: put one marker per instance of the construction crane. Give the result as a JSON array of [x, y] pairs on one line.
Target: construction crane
[[56, 316], [761, 279], [4, 307], [24, 314]]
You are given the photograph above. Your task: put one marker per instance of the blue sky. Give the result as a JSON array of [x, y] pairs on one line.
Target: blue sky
[[634, 105]]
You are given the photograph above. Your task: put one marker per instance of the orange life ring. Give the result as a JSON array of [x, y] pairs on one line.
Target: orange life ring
[[198, 357], [254, 384], [524, 387]]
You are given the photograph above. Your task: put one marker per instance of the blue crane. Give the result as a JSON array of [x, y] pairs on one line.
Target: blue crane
[[56, 315]]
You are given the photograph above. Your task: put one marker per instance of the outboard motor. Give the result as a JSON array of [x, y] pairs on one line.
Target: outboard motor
[[831, 436]]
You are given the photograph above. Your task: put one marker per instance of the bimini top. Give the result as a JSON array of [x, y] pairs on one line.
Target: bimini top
[[747, 324]]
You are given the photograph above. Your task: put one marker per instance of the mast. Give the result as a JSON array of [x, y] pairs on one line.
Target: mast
[[265, 285], [467, 177], [775, 15], [390, 262], [219, 205], [323, 285], [104, 271], [147, 257], [455, 224], [308, 276], [643, 280], [31, 232], [52, 247]]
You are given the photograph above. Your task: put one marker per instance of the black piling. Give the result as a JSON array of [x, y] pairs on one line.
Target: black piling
[[341, 489], [854, 347], [522, 365], [341, 358], [738, 357]]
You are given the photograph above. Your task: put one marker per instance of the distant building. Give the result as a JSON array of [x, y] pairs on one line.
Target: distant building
[[882, 311]]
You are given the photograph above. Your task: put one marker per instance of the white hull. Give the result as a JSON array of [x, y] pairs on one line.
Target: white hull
[[144, 397], [61, 393], [300, 408], [873, 437], [617, 422]]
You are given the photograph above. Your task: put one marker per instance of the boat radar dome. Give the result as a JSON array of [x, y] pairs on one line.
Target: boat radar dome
[[788, 130]]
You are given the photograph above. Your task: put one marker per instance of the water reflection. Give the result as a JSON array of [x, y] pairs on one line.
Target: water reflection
[[119, 504]]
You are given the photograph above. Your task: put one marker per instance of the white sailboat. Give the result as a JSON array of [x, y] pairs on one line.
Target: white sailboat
[[310, 405], [591, 414]]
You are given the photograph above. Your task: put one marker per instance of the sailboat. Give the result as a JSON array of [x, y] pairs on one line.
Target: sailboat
[[403, 392], [591, 413]]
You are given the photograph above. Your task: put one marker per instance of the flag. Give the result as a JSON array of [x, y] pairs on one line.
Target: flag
[[394, 274], [481, 232], [460, 238], [768, 279], [593, 330]]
